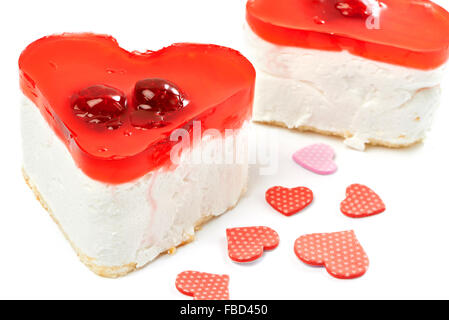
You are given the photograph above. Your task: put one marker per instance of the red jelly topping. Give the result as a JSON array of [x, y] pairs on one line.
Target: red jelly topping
[[318, 24], [76, 77]]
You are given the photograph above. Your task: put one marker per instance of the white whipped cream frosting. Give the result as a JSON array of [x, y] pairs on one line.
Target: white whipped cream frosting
[[128, 223]]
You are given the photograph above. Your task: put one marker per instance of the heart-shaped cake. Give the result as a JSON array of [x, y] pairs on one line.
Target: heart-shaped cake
[[358, 69], [99, 128]]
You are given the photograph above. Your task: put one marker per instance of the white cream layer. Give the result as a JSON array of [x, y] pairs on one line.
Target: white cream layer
[[133, 222], [337, 92]]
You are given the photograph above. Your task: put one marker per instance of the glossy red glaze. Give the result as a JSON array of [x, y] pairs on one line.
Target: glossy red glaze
[[400, 39], [218, 81]]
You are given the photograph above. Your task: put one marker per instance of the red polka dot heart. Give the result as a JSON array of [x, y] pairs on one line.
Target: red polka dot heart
[[339, 252], [289, 201], [361, 202], [203, 286], [248, 244]]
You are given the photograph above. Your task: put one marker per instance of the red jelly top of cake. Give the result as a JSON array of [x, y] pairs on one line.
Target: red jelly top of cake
[[411, 33], [115, 110]]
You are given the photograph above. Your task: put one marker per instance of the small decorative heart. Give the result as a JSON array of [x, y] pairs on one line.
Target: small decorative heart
[[203, 286], [317, 158], [340, 252], [289, 201], [361, 202], [248, 244]]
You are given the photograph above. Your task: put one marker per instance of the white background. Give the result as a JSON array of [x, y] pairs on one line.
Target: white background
[[407, 245]]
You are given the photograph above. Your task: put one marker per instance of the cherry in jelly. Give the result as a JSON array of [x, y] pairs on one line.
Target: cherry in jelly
[[158, 95], [100, 105], [144, 119], [354, 8], [155, 101]]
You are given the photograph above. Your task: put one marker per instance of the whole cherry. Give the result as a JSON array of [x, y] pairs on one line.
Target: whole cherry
[[158, 95], [100, 105], [355, 8], [155, 100]]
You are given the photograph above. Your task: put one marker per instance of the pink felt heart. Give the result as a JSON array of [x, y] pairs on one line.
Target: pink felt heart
[[203, 286], [247, 244], [317, 158]]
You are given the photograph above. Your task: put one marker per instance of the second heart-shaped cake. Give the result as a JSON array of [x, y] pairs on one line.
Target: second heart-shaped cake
[[340, 252], [289, 201], [248, 244]]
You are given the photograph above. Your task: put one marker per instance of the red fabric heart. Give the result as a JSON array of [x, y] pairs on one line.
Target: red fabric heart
[[248, 244], [203, 286], [289, 201], [340, 252], [361, 202]]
